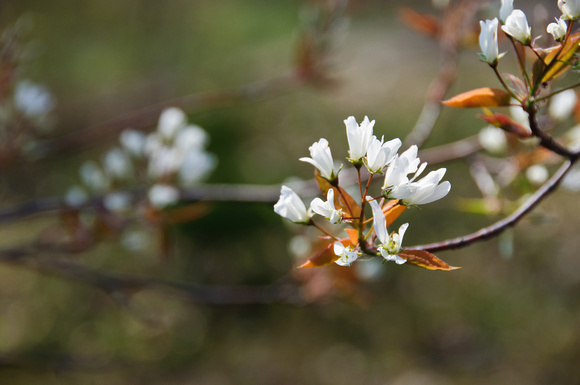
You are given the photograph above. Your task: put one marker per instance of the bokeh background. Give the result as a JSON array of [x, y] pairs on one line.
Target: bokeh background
[[507, 317]]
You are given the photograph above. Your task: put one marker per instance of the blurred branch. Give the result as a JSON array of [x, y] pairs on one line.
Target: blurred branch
[[115, 283], [147, 116], [240, 192], [498, 227], [451, 32]]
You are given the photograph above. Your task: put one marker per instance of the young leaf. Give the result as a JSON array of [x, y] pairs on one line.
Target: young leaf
[[425, 260], [558, 59], [324, 257], [426, 24], [393, 212], [353, 236], [480, 97], [507, 124]]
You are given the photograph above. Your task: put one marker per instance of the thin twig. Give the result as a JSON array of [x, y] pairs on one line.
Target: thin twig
[[500, 226], [114, 282]]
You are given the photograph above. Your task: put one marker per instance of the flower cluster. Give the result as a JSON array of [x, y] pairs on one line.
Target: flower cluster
[[515, 25], [402, 188], [26, 107], [173, 156]]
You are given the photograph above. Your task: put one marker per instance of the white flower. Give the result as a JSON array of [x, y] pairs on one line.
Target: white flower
[[570, 9], [133, 142], [488, 42], [358, 137], [519, 114], [117, 201], [161, 195], [291, 207], [33, 99], [562, 105], [76, 196], [389, 245], [558, 29], [493, 139], [165, 161], [516, 25], [380, 154], [322, 159], [191, 136], [171, 121], [401, 166], [537, 174], [196, 165], [347, 254], [571, 181], [93, 177], [507, 6], [117, 164], [426, 190], [327, 209]]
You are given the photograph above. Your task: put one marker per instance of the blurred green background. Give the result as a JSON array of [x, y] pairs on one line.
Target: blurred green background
[[499, 320]]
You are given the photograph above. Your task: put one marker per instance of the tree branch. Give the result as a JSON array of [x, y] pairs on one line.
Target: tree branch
[[127, 284], [500, 226]]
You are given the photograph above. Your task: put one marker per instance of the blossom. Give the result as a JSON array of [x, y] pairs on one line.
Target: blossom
[[76, 196], [327, 209], [507, 6], [133, 142], [401, 166], [347, 254], [93, 177], [161, 195], [570, 9], [117, 201], [558, 29], [426, 190], [562, 105], [488, 42], [322, 159], [33, 99], [291, 207], [389, 245], [493, 139], [516, 25], [196, 165], [358, 137], [537, 174], [380, 154], [117, 164], [171, 121]]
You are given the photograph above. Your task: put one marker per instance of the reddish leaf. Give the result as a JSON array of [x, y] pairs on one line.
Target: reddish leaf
[[481, 97], [425, 260], [426, 24], [325, 257], [506, 123]]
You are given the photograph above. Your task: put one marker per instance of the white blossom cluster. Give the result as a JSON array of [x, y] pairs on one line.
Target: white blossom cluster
[[515, 24], [401, 181], [173, 156]]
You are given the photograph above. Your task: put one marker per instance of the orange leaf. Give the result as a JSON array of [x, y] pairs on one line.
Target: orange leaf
[[480, 97], [425, 260], [558, 61], [324, 257], [426, 24], [507, 124], [353, 236], [393, 212]]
